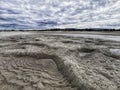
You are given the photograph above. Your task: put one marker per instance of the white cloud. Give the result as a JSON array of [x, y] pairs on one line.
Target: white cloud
[[60, 13]]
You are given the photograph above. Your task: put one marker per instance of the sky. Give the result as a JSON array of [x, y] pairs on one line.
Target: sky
[[46, 14]]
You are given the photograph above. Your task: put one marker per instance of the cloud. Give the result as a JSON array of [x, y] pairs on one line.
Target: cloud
[[42, 14]]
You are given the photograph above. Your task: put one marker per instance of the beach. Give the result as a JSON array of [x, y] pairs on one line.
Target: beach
[[37, 60]]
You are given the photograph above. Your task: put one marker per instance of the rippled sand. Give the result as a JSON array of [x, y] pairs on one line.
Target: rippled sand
[[51, 62]]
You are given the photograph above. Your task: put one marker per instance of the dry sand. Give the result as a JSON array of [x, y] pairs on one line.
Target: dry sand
[[33, 61]]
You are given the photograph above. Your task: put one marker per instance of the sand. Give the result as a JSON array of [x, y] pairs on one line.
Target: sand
[[35, 61]]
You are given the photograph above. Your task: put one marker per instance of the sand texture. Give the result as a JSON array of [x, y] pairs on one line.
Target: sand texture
[[51, 62]]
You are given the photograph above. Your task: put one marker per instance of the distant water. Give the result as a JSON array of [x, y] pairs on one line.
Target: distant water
[[104, 37]]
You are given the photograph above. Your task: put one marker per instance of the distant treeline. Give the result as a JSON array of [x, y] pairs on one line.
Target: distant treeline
[[73, 29], [67, 29]]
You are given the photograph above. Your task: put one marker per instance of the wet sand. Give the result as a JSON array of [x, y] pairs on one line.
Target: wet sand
[[41, 61]]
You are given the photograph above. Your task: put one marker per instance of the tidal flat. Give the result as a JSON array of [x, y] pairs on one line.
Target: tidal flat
[[39, 60]]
